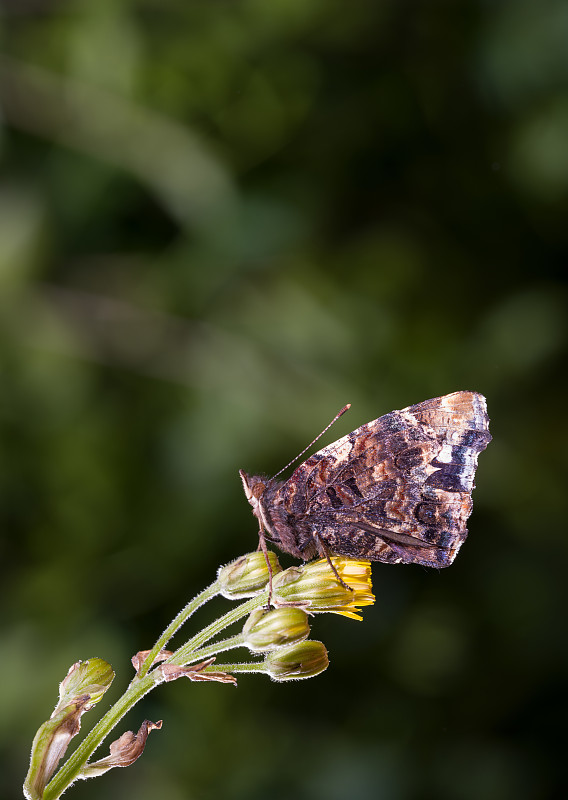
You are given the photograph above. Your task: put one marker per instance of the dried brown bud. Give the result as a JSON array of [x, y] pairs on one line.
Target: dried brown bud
[[194, 672], [140, 657], [123, 752]]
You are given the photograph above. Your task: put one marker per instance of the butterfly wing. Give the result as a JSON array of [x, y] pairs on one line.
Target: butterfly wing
[[397, 489]]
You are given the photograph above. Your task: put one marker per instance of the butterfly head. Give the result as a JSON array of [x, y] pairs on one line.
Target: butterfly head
[[276, 524], [254, 486]]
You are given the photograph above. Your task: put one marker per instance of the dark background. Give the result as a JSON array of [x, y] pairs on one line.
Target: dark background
[[220, 222]]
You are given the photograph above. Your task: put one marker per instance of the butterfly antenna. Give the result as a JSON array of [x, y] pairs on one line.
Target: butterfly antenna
[[327, 427]]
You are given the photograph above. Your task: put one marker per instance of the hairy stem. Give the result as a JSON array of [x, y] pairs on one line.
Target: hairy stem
[[217, 647], [72, 767], [145, 681], [175, 625], [183, 656], [256, 666]]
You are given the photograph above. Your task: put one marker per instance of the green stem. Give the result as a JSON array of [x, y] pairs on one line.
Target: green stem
[[255, 666], [216, 647], [183, 655], [142, 683], [70, 770], [178, 621]]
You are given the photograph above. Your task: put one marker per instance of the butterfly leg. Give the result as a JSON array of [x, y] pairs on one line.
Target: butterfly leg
[[324, 553], [262, 546]]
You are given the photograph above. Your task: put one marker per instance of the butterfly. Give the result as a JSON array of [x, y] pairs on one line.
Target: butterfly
[[396, 490]]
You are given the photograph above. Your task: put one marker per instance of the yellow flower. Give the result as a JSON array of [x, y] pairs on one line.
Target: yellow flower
[[316, 588]]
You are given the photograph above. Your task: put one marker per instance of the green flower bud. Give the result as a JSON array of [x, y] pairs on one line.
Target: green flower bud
[[269, 630], [302, 660], [83, 686], [92, 677], [248, 575], [315, 586]]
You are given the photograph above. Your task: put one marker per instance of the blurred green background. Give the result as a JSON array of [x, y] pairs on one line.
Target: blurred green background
[[220, 221]]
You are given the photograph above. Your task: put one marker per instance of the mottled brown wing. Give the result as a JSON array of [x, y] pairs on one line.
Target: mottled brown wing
[[397, 489]]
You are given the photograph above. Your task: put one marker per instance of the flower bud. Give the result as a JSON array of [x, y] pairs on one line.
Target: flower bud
[[83, 686], [302, 660], [315, 587], [269, 630], [248, 575]]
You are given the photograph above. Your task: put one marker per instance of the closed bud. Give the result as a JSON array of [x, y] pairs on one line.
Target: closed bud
[[269, 630], [315, 586], [83, 686], [248, 575], [302, 660]]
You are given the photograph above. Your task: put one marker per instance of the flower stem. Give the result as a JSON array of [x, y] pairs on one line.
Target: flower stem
[[255, 666], [177, 622], [72, 767], [217, 647], [143, 682], [183, 655], [140, 685]]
